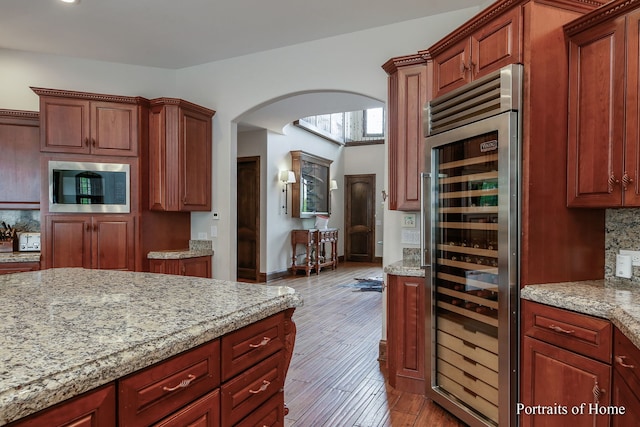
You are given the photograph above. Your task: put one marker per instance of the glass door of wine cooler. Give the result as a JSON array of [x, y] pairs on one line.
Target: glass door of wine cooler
[[472, 251]]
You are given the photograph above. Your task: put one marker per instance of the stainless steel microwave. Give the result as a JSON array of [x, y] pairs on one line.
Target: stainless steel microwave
[[89, 187]]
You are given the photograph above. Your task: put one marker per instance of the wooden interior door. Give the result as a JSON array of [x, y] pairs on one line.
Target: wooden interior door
[[360, 218], [248, 255]]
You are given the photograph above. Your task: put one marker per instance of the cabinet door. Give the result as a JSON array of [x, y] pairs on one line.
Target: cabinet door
[[196, 267], [65, 125], [20, 160], [623, 396], [195, 170], [556, 377], [596, 116], [113, 242], [114, 129], [407, 149], [632, 115], [406, 333], [496, 44], [204, 412], [67, 241], [451, 68], [95, 408]]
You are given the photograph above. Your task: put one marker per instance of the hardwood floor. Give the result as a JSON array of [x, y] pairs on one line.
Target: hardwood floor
[[335, 378]]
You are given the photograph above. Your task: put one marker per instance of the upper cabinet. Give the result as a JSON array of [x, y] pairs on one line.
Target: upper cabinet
[[19, 159], [179, 156], [408, 92], [470, 52], [604, 140], [310, 192], [87, 123]]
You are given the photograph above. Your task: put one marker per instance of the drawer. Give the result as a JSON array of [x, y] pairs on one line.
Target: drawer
[[626, 360], [247, 346], [155, 392], [580, 333], [270, 414], [245, 393], [204, 412]]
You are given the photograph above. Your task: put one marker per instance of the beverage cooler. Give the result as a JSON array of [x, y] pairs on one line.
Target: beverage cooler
[[470, 248]]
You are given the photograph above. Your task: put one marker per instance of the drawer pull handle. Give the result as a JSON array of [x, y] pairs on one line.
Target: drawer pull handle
[[183, 383], [559, 329], [265, 341], [620, 361], [263, 387], [597, 392]]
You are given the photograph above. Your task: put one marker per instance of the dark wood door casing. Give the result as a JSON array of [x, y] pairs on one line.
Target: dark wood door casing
[[360, 217], [248, 232]]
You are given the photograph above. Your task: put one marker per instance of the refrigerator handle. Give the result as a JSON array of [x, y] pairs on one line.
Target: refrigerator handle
[[425, 216]]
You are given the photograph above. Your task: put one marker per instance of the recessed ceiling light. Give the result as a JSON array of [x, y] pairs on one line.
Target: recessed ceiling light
[[70, 1]]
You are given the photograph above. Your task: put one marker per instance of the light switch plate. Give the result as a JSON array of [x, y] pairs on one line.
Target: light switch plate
[[623, 266]]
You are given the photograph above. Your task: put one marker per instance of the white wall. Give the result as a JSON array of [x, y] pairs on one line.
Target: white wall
[[350, 62]]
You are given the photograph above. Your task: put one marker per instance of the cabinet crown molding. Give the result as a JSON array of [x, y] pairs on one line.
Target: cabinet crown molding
[[502, 6], [90, 96], [604, 13], [181, 103], [392, 65]]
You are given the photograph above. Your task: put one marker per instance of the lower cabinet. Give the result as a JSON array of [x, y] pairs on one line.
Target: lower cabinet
[[566, 368], [406, 333], [90, 241], [235, 380], [18, 267], [626, 381], [96, 408], [196, 267]]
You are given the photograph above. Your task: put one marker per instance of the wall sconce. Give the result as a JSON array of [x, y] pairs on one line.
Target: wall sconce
[[287, 177]]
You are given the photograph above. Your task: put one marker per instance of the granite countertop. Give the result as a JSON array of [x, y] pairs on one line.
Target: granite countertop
[[405, 268], [197, 248], [67, 331], [613, 300], [19, 256]]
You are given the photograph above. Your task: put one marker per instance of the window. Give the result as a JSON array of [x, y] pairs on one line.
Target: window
[[355, 127], [374, 122]]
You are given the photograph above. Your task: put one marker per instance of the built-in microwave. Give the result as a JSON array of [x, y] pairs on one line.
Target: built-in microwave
[[89, 187]]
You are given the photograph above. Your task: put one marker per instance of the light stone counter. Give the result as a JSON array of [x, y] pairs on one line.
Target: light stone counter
[[197, 248], [404, 268], [617, 301], [67, 331], [19, 256]]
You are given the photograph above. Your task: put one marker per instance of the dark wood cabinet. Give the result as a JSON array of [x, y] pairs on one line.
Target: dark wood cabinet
[[87, 123], [463, 57], [626, 380], [406, 333], [20, 159], [90, 241], [566, 360], [604, 141], [94, 408], [179, 156], [196, 267], [409, 89]]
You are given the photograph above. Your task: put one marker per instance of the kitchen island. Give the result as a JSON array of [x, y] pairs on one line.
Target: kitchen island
[[67, 331]]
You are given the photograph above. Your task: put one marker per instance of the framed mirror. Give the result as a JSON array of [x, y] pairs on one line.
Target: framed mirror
[[310, 192]]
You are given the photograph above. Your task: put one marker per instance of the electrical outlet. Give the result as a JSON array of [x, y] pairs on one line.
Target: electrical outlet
[[635, 256]]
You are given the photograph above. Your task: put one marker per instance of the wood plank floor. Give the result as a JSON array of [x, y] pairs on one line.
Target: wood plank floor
[[335, 378]]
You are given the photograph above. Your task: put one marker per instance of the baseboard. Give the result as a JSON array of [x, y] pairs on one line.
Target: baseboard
[[382, 351], [275, 275]]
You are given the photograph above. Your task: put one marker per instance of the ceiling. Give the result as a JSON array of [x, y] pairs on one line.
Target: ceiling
[[174, 34]]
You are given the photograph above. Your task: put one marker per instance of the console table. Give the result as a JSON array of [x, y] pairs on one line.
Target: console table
[[314, 242]]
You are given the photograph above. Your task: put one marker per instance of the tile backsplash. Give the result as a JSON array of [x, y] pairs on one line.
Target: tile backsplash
[[21, 220], [622, 231]]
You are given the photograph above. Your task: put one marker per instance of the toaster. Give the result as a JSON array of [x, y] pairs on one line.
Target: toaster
[[28, 242]]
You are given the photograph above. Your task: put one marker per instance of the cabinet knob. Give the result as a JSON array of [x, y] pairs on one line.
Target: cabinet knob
[[626, 180], [86, 142], [613, 181]]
